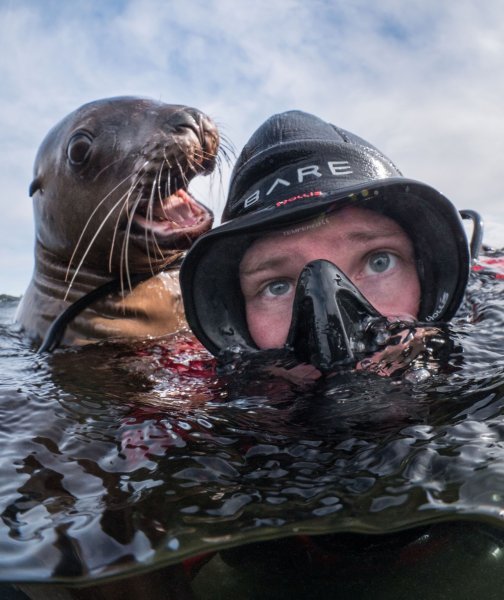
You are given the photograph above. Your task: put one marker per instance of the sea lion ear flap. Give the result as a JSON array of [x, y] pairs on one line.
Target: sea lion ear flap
[[35, 186]]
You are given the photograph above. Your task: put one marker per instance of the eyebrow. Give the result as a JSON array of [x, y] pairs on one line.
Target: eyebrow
[[366, 236], [264, 265], [280, 260]]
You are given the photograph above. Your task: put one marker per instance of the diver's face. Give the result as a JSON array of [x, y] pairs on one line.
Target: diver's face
[[371, 249]]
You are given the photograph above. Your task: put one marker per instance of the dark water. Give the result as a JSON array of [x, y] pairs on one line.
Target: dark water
[[119, 460]]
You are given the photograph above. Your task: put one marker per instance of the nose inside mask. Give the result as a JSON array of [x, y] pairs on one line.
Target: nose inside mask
[[330, 318]]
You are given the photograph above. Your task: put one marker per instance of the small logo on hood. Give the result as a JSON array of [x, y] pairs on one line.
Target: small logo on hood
[[443, 301], [299, 197]]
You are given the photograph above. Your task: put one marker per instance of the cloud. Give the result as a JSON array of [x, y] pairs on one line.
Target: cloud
[[422, 81]]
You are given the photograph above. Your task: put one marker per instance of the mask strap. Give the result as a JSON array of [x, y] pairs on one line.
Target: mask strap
[[58, 327], [477, 234]]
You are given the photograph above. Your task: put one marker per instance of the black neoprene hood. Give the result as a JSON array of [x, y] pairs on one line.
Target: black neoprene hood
[[294, 168]]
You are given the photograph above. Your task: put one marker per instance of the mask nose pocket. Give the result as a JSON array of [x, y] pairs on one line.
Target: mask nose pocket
[[329, 318]]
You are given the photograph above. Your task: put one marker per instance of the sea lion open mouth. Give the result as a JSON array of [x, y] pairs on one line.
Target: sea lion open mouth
[[175, 214], [163, 208]]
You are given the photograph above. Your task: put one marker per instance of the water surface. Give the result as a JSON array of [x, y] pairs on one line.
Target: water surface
[[120, 459]]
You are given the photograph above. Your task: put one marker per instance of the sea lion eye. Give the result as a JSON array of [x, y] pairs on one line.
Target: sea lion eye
[[78, 148]]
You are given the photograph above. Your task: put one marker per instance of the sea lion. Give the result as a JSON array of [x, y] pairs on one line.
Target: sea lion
[[111, 202]]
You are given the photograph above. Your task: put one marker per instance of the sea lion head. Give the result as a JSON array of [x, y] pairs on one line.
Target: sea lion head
[[110, 187]]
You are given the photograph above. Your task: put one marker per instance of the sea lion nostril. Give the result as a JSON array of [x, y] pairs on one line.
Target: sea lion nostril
[[200, 125], [184, 120]]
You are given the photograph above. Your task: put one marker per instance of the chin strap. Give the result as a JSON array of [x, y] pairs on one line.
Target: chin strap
[[330, 318], [58, 327]]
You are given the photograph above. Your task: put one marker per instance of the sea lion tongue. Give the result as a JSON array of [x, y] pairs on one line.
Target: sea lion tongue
[[330, 318]]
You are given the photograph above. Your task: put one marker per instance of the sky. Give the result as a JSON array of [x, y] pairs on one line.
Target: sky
[[422, 80]]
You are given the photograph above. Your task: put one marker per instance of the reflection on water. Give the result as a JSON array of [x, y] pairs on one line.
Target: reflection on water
[[117, 459]]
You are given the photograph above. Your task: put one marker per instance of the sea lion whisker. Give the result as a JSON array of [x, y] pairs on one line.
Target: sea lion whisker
[[189, 159], [207, 154], [88, 222], [168, 188], [159, 180], [91, 242], [136, 185], [165, 163], [147, 233], [93, 239], [225, 143], [126, 199], [155, 190], [157, 248], [193, 166], [227, 150], [101, 171], [219, 169], [124, 261], [166, 193], [183, 176], [225, 155], [165, 159]]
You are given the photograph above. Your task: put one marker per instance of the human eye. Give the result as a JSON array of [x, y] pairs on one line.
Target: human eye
[[380, 262], [276, 288]]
